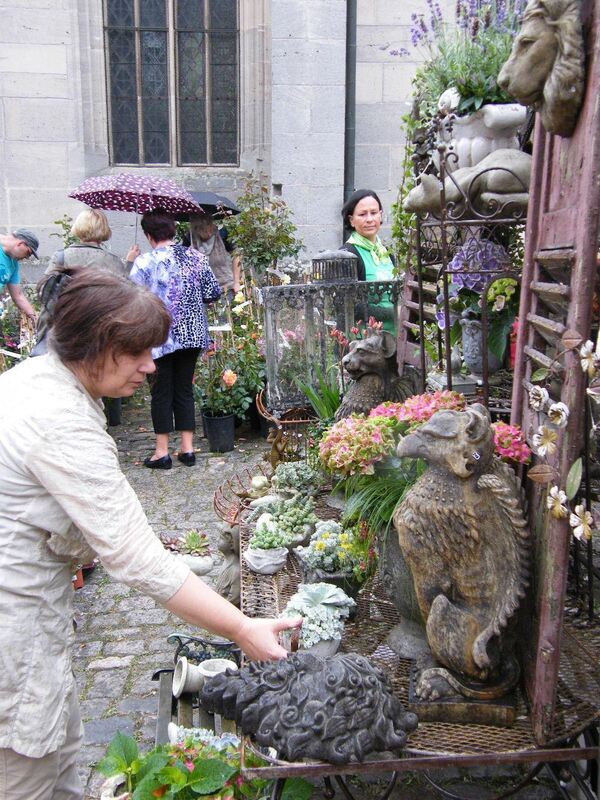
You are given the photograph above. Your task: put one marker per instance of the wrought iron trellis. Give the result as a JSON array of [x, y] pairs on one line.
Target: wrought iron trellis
[[475, 231]]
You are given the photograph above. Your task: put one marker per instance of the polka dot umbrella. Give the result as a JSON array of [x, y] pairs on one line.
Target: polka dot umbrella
[[137, 193]]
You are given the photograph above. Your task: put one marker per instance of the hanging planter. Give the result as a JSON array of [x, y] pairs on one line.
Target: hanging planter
[[220, 432]]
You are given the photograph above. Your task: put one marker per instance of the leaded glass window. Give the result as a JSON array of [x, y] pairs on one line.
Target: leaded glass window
[[173, 81]]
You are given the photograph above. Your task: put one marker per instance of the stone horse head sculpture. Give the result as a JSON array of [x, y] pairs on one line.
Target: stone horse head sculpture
[[545, 69]]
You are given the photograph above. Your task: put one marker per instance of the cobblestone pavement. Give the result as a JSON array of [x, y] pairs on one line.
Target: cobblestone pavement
[[121, 634]]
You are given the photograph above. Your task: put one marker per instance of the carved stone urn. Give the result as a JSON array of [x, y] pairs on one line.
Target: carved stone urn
[[472, 340], [476, 135]]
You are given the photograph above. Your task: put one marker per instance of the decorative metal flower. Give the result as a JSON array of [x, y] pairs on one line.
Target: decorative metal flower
[[558, 414], [557, 503], [581, 521], [544, 441], [538, 397], [587, 358]]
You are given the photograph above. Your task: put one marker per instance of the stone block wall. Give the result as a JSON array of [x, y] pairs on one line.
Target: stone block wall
[[307, 115], [54, 127]]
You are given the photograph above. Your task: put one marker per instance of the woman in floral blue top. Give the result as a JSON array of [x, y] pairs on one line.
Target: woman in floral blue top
[[184, 282]]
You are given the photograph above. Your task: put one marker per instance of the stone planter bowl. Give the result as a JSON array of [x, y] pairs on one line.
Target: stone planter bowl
[[266, 562], [325, 648]]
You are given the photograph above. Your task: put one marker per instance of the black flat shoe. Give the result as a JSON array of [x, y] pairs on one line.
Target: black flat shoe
[[189, 459], [158, 463]]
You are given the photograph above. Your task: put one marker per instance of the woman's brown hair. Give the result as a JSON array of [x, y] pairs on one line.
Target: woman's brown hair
[[99, 312]]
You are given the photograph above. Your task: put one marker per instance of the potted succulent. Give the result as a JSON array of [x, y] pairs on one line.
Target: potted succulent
[[324, 609], [293, 517], [296, 477], [193, 548], [337, 555], [267, 550]]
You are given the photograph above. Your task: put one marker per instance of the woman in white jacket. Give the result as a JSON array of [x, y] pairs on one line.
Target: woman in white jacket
[[63, 497]]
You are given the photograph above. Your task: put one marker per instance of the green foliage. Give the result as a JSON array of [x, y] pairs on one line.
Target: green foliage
[[195, 543], [214, 395], [208, 766], [263, 232], [468, 64], [182, 229], [403, 222], [574, 479], [239, 355], [325, 396], [65, 223], [374, 498]]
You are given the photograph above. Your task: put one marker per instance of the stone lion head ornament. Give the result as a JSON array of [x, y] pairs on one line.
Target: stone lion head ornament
[[545, 69]]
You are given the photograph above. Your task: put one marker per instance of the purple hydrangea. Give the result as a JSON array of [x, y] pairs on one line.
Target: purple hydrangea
[[473, 260]]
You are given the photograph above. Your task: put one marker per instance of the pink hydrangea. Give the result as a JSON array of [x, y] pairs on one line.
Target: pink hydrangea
[[421, 407], [510, 443], [353, 445]]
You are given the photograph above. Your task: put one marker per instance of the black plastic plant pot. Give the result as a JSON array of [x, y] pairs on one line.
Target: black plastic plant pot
[[220, 432]]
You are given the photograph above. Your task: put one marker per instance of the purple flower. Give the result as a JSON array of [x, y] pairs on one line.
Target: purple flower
[[473, 260]]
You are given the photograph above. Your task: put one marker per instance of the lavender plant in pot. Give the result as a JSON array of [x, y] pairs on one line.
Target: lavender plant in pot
[[458, 79]]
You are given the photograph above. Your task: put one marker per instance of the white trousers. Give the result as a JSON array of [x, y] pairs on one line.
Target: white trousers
[[52, 777]]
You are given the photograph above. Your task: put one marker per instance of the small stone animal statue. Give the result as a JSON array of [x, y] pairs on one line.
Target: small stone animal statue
[[499, 179], [371, 363], [464, 536], [546, 67], [336, 709], [228, 582]]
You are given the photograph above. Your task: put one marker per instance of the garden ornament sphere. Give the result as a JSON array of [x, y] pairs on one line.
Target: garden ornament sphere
[[546, 69]]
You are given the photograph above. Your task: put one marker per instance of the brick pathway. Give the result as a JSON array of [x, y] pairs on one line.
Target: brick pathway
[[121, 634]]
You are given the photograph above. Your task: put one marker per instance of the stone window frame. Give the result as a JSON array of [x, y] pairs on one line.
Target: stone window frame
[[175, 159]]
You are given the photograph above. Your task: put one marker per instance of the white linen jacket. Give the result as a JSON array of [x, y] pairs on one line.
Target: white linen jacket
[[63, 499]]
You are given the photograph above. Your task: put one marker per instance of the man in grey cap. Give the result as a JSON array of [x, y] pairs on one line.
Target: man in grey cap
[[14, 247]]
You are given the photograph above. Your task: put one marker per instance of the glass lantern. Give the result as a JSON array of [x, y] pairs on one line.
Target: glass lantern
[[302, 320]]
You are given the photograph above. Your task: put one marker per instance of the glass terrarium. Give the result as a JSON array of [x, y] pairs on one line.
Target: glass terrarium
[[302, 322]]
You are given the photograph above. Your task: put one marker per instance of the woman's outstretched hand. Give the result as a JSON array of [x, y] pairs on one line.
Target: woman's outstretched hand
[[259, 638]]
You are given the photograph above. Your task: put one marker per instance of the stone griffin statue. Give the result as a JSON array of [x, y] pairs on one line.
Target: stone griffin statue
[[336, 709], [546, 66], [371, 364], [464, 536]]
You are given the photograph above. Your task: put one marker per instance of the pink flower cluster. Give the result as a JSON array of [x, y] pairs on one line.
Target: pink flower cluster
[[353, 445], [510, 443], [421, 407]]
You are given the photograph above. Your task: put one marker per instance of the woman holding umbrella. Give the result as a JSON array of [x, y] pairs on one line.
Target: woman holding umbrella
[[183, 280]]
